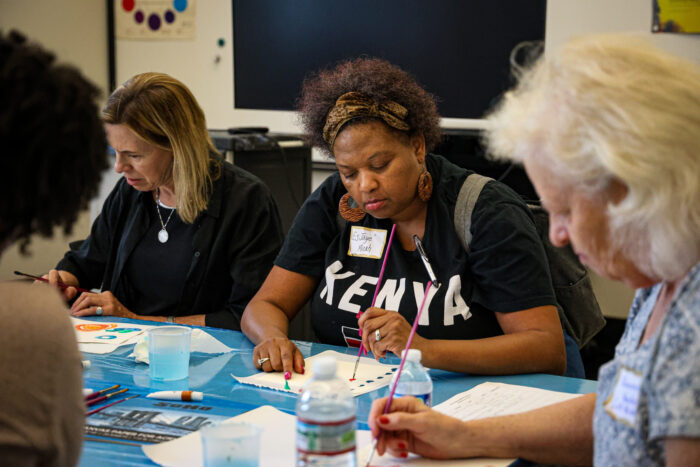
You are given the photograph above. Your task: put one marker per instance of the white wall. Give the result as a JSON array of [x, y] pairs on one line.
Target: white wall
[[76, 31], [570, 18]]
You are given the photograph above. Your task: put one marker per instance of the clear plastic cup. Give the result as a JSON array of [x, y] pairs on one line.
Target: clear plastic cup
[[169, 352], [231, 444]]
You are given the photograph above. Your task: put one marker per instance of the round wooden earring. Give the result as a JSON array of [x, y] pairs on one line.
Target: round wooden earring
[[425, 186], [349, 209]]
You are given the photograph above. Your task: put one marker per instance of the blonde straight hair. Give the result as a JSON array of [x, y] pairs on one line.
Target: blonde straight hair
[[612, 107], [163, 112]]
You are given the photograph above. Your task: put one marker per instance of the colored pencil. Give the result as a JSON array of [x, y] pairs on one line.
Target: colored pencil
[[42, 279], [376, 292], [398, 372], [109, 405], [97, 400]]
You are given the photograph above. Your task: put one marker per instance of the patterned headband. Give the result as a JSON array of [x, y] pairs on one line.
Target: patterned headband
[[354, 105]]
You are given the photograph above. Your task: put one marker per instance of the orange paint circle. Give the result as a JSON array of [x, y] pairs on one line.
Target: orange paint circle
[[94, 327]]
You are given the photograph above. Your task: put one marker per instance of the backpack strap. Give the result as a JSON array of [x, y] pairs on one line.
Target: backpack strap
[[466, 200]]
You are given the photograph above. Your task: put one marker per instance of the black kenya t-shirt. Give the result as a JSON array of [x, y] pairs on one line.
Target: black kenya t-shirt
[[505, 270]]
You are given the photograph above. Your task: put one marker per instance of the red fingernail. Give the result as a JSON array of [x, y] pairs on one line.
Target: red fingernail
[[384, 420], [287, 375], [359, 314], [403, 454], [402, 445], [303, 370]]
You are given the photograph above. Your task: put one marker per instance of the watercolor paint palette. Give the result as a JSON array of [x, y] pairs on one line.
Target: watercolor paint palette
[[371, 375]]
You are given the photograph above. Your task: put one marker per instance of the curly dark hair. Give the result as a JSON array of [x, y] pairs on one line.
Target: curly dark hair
[[54, 144], [375, 78]]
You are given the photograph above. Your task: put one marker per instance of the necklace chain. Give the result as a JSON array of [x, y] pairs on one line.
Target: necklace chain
[[158, 209]]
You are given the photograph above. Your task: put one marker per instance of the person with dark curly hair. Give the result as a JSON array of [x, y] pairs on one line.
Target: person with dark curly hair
[[52, 135], [184, 236], [495, 312]]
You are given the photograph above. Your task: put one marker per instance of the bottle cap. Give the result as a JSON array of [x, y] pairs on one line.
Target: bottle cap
[[324, 368], [414, 355]]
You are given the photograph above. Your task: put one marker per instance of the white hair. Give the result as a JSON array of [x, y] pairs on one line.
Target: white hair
[[612, 107]]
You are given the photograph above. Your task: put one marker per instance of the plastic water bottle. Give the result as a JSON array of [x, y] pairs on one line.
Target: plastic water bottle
[[415, 380], [326, 420]]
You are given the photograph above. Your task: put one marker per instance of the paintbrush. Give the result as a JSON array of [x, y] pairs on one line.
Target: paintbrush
[[110, 405], [42, 279], [97, 400], [376, 292], [398, 372], [101, 391]]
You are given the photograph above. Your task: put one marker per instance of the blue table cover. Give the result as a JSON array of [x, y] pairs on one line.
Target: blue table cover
[[211, 374]]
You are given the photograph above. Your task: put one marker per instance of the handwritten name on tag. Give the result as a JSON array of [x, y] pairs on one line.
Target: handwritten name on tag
[[367, 243], [624, 399]]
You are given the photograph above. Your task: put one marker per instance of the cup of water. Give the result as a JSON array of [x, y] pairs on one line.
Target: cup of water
[[169, 352], [231, 444]]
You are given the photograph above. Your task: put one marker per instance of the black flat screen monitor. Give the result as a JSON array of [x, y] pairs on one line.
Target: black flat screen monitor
[[457, 49]]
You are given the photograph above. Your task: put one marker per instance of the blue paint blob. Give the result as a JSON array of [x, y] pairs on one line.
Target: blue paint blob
[[180, 5], [370, 381]]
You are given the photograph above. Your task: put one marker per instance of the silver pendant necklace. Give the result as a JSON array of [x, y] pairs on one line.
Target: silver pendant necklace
[[162, 234]]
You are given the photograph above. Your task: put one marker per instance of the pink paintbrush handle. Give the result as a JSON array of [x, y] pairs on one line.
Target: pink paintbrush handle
[[379, 279], [408, 346]]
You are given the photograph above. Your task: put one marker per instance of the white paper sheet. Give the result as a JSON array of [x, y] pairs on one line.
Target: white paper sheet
[[494, 399], [364, 439], [371, 375], [105, 332], [280, 433]]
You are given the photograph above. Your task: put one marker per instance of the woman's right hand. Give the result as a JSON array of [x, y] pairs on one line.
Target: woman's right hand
[[281, 353], [56, 277], [410, 426]]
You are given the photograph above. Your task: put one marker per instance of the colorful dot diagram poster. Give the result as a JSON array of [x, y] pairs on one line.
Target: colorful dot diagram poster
[[154, 19]]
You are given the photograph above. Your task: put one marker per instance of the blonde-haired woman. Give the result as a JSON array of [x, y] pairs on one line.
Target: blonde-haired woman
[[609, 132], [184, 237]]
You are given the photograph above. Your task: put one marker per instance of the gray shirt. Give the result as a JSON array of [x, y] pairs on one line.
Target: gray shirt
[[650, 392]]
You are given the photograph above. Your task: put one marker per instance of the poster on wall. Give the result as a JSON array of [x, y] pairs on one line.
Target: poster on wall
[[160, 20], [676, 16]]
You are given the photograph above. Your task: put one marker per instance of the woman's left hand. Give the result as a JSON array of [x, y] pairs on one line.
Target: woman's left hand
[[390, 327], [90, 304]]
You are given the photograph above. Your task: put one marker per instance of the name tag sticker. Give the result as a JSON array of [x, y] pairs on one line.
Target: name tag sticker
[[366, 243], [624, 399]]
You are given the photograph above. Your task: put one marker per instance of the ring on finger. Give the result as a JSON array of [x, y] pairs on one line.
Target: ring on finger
[[263, 360], [377, 335], [99, 311]]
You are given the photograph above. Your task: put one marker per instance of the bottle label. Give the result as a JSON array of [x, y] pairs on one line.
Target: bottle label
[[426, 398], [325, 438]]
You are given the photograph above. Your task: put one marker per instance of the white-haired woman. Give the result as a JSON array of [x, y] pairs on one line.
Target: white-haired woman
[[609, 132]]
